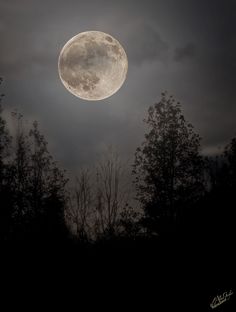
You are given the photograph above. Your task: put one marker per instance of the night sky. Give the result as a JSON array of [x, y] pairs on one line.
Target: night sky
[[185, 47]]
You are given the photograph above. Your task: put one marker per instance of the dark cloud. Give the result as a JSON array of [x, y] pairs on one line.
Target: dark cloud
[[145, 44], [159, 37], [186, 52]]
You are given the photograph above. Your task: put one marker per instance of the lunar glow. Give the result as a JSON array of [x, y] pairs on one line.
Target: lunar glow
[[93, 65]]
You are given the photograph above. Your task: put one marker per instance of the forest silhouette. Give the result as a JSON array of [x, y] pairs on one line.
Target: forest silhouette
[[178, 191], [170, 209]]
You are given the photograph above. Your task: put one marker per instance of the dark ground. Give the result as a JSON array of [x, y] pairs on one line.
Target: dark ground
[[171, 274], [181, 271]]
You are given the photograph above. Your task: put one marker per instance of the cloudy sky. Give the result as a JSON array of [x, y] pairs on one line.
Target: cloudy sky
[[186, 47]]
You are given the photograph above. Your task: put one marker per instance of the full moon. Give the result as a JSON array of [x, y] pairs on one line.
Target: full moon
[[93, 65]]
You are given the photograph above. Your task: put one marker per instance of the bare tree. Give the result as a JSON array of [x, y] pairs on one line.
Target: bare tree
[[79, 212], [99, 198], [112, 193]]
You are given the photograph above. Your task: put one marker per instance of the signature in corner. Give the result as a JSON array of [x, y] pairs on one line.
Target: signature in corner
[[218, 300]]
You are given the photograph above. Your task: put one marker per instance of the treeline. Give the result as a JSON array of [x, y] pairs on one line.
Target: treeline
[[174, 187], [32, 187]]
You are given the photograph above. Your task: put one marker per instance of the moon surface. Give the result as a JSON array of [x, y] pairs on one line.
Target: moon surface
[[93, 65]]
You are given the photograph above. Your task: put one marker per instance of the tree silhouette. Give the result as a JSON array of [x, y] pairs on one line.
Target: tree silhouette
[[174, 183], [168, 168], [32, 186], [130, 223], [101, 200], [221, 172], [79, 212], [230, 158], [20, 182], [5, 194], [216, 209], [112, 194], [47, 187]]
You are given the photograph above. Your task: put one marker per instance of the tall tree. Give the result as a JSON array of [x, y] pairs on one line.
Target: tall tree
[[230, 158], [47, 183], [32, 186], [5, 141], [168, 168], [79, 212], [5, 196], [20, 174], [112, 194], [38, 186]]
